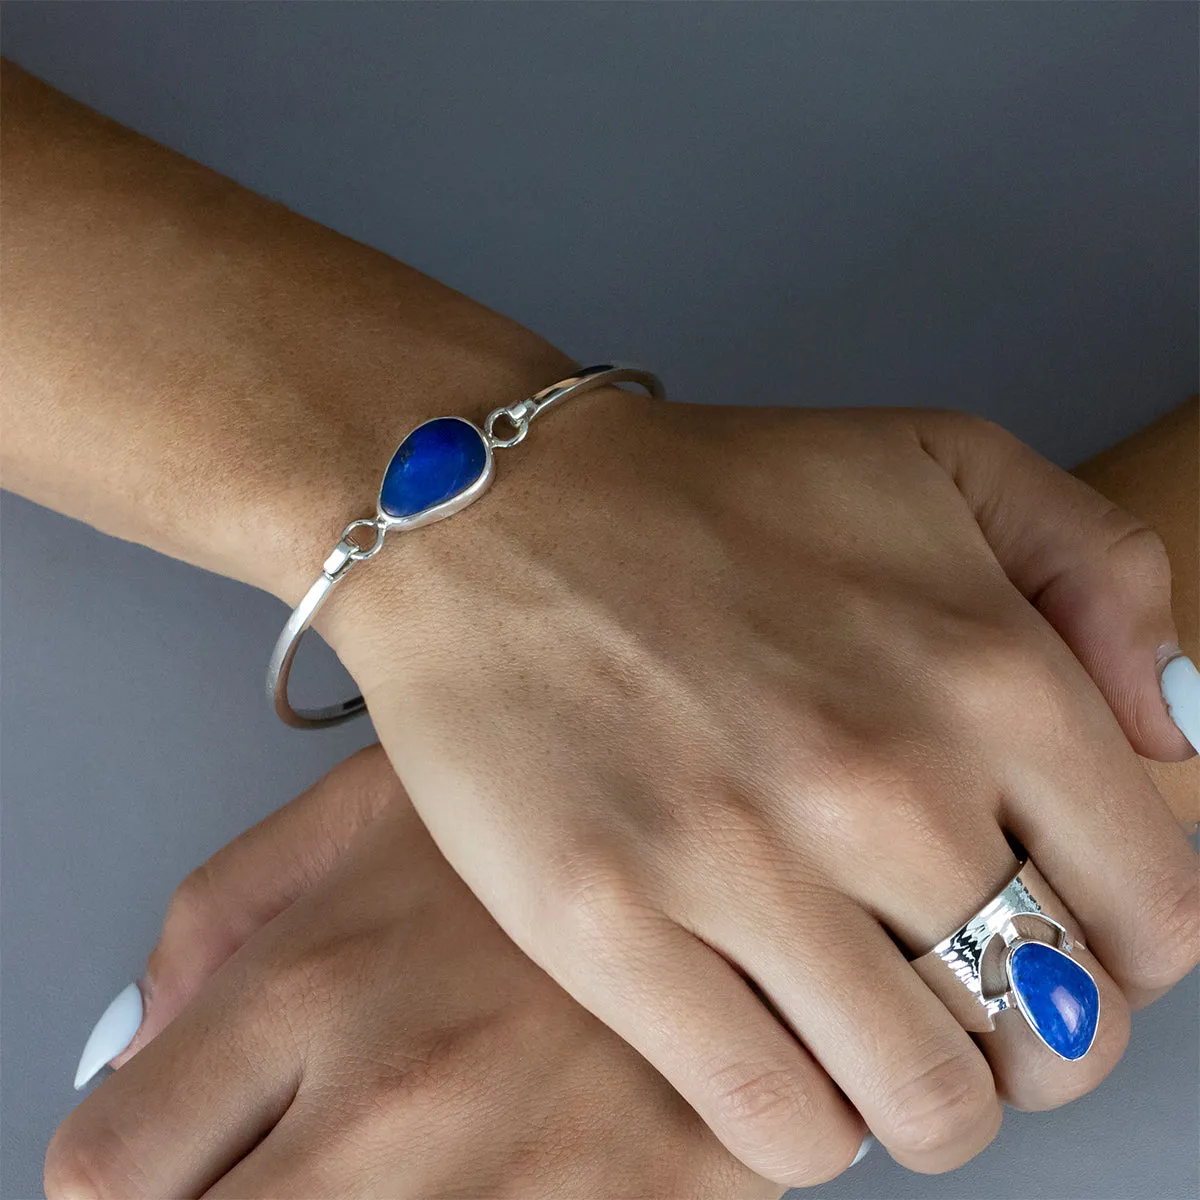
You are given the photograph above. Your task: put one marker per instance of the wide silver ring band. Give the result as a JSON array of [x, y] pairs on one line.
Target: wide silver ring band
[[966, 970]]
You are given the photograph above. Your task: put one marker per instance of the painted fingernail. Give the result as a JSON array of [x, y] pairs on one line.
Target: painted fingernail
[[1181, 691], [112, 1033], [863, 1150]]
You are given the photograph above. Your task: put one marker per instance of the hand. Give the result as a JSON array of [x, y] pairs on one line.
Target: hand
[[710, 705], [1155, 475], [330, 1012]]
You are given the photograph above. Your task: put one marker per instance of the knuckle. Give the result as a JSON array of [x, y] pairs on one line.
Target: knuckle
[[192, 901], [739, 835], [886, 799], [596, 901], [287, 1001], [1136, 554], [195, 926], [1005, 672], [954, 439], [976, 426], [1172, 947], [91, 1164], [764, 1100], [770, 1119], [393, 1083], [966, 427], [914, 814], [940, 1106], [312, 972], [433, 1078], [1006, 665]]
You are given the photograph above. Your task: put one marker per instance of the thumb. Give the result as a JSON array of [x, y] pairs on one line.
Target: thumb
[[1097, 574], [225, 900]]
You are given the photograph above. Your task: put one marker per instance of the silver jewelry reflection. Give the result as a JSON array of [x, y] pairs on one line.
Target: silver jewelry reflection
[[971, 970], [347, 552]]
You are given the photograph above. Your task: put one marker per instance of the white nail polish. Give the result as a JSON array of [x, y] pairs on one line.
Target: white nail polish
[[112, 1033], [863, 1150], [1181, 691]]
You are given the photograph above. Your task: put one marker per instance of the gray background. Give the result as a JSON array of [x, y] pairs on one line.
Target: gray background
[[990, 207]]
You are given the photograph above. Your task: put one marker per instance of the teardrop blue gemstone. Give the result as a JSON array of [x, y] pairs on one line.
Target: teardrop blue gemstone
[[434, 463], [1059, 998]]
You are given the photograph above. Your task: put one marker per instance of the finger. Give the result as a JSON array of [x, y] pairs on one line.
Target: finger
[[839, 981], [184, 1110], [966, 860], [690, 1013], [1097, 574], [1103, 838], [252, 879]]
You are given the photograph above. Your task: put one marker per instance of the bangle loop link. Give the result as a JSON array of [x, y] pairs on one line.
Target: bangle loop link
[[435, 462], [520, 422], [361, 553]]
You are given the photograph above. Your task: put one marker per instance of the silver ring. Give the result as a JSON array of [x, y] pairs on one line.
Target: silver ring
[[346, 553], [1015, 955]]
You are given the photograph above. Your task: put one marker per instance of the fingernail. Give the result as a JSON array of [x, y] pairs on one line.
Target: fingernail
[[863, 1150], [1181, 690], [112, 1033]]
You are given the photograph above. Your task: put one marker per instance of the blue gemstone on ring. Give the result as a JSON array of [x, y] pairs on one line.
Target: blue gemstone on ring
[[1057, 996], [436, 462]]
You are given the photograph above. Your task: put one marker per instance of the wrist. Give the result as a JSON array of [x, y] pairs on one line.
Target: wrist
[[320, 467], [408, 606]]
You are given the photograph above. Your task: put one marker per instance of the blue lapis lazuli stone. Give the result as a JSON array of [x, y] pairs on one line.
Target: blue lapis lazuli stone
[[1059, 998], [434, 463]]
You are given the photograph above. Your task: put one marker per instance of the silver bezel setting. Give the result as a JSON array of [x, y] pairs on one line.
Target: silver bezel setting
[[447, 508], [1013, 996]]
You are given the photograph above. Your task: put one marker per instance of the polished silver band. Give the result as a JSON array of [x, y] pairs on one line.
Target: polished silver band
[[968, 970], [347, 552]]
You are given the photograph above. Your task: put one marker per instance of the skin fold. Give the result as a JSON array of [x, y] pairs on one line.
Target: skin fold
[[717, 710]]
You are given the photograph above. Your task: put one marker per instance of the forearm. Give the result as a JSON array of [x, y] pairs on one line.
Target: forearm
[[189, 365], [1155, 474]]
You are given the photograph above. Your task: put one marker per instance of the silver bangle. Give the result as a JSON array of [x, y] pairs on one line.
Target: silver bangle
[[462, 475]]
